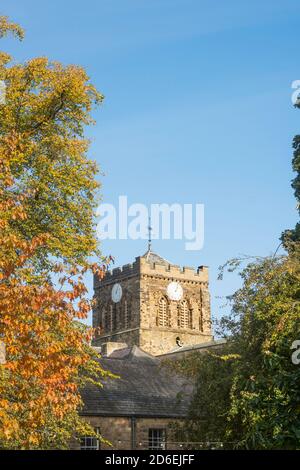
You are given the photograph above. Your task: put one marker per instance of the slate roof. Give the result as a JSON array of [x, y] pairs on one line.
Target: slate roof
[[152, 257], [145, 388]]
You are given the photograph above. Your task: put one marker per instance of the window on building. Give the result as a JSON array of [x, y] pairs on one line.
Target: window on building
[[90, 442], [200, 306], [157, 439], [184, 315], [114, 318], [163, 313], [104, 317], [110, 317], [200, 319], [126, 314], [201, 323]]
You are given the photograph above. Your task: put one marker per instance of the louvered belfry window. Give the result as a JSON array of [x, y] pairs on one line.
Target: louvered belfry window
[[163, 312], [184, 315]]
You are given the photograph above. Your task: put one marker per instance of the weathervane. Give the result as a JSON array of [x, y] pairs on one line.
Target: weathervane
[[149, 234]]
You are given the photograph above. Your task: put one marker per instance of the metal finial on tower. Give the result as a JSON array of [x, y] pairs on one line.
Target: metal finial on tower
[[149, 234]]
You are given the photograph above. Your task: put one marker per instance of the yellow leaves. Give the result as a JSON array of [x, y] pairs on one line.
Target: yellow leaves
[[4, 58], [9, 427], [47, 108], [229, 357], [47, 195], [7, 27], [3, 404], [33, 439], [7, 431]]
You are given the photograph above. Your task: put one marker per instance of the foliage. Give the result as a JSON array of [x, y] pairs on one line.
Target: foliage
[[47, 108], [265, 390], [7, 27], [206, 422], [248, 394], [290, 237], [47, 196]]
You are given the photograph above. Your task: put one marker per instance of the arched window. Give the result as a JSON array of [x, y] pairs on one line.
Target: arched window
[[163, 318], [106, 318], [184, 315], [113, 317], [126, 313]]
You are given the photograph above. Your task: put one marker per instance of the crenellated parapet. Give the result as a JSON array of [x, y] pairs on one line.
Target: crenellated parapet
[[145, 314], [174, 271], [117, 274], [144, 266]]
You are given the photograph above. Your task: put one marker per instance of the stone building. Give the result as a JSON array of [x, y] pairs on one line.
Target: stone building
[[135, 410], [153, 304], [145, 312]]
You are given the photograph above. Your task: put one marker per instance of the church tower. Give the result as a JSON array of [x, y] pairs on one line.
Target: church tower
[[153, 304]]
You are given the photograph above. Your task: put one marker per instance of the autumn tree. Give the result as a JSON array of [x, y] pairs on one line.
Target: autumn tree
[[47, 195]]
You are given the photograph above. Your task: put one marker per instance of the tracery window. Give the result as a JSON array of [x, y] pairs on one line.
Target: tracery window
[[184, 315], [163, 318]]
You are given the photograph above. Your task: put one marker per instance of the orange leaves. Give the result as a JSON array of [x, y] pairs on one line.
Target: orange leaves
[[84, 307], [47, 200], [46, 350], [100, 270]]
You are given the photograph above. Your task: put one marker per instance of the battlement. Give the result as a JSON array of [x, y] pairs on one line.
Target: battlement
[[119, 273], [173, 270], [142, 265]]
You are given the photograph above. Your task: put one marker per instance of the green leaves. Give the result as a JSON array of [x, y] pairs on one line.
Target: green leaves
[[247, 395], [47, 196]]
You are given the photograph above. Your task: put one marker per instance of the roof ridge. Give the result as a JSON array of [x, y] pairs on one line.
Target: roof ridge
[[137, 352], [153, 257]]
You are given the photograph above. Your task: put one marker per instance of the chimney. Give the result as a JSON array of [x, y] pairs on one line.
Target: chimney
[[108, 348]]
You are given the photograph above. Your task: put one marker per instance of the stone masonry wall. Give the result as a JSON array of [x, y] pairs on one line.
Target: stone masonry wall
[[143, 285], [154, 281], [128, 278], [118, 431]]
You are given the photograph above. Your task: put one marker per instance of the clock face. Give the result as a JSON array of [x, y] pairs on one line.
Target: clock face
[[116, 293], [174, 291]]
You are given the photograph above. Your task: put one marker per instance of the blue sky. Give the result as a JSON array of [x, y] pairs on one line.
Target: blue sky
[[197, 110]]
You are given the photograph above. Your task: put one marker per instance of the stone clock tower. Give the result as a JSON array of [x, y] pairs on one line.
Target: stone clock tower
[[154, 305]]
